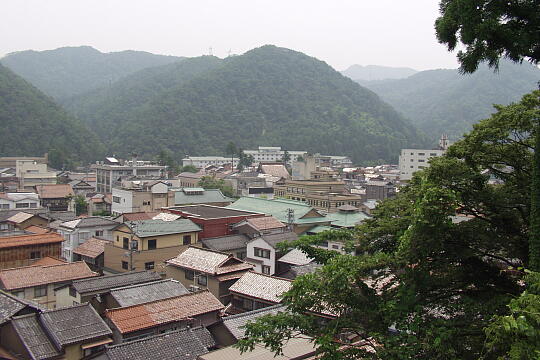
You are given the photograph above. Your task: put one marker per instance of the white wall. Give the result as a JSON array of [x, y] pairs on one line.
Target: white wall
[[412, 160], [126, 201], [260, 243]]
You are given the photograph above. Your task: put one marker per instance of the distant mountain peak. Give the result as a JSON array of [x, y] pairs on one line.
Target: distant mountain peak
[[377, 72]]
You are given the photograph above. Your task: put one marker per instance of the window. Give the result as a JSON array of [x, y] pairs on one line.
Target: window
[[124, 265], [187, 239], [152, 244], [190, 275], [421, 160], [35, 255], [99, 233], [40, 291], [117, 238], [241, 255], [335, 246], [116, 199], [247, 304], [4, 206], [33, 205], [432, 154], [421, 154], [202, 280], [262, 253], [149, 265], [22, 205], [125, 245], [72, 292], [266, 269], [146, 203]]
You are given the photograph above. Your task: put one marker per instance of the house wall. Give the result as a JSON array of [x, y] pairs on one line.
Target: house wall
[[63, 298], [114, 256], [10, 340], [20, 256], [412, 160], [222, 335], [49, 300], [271, 262], [163, 241], [35, 220], [75, 237]]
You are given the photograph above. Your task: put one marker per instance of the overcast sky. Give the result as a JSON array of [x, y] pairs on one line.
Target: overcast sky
[[340, 32]]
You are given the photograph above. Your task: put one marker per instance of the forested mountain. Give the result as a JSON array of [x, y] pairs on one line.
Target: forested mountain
[[268, 96], [32, 124], [376, 72], [444, 101], [67, 71]]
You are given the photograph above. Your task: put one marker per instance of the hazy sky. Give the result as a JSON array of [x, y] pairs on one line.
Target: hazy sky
[[342, 33]]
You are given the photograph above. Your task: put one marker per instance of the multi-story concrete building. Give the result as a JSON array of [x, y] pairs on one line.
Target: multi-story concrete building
[[109, 173], [145, 197], [204, 161], [412, 160], [273, 154], [31, 173]]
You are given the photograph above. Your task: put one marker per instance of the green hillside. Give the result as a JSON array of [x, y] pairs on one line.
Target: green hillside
[[444, 101], [68, 71], [268, 96], [32, 124]]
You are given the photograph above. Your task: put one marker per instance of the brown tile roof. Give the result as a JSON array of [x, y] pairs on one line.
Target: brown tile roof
[[261, 286], [91, 248], [47, 260], [144, 316], [265, 223], [26, 240], [37, 229], [29, 276], [278, 170], [208, 261], [136, 216], [54, 191]]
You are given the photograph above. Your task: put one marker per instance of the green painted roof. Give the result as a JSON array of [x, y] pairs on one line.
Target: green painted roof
[[277, 207], [347, 220], [205, 196], [148, 228], [318, 229]]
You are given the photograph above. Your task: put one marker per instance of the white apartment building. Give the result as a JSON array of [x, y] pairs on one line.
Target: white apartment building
[[109, 173], [76, 232], [273, 154], [32, 173], [412, 160], [204, 161], [19, 201]]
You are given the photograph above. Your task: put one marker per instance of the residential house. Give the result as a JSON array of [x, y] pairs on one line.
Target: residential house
[[214, 220], [11, 306], [136, 216], [146, 244], [197, 195], [92, 252], [297, 270], [93, 290], [232, 328], [255, 291], [82, 187], [19, 201], [22, 220], [70, 333], [76, 232], [263, 253], [24, 250], [144, 293], [189, 179], [300, 216], [32, 173], [99, 203], [56, 197], [138, 321], [295, 263], [260, 225], [111, 172], [230, 244], [39, 283], [139, 196], [184, 344], [198, 268], [277, 170]]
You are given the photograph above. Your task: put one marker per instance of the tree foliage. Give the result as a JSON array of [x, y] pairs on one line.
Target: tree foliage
[[211, 182], [490, 30]]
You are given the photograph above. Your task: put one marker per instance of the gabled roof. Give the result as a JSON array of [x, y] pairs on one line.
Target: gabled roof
[[48, 260], [226, 243], [295, 257], [54, 191], [20, 217], [144, 316], [278, 208], [29, 240], [89, 221], [347, 219], [34, 338], [208, 261], [264, 287], [184, 344], [149, 228], [148, 292], [36, 229], [74, 324], [10, 305], [29, 276], [235, 323], [135, 216], [91, 248], [274, 239], [262, 223], [278, 170], [107, 282]]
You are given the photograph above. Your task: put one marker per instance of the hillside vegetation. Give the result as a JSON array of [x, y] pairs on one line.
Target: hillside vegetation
[[268, 96], [68, 71], [32, 124], [444, 101]]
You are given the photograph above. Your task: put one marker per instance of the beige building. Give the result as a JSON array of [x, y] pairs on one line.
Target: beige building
[[138, 196], [146, 244], [31, 173]]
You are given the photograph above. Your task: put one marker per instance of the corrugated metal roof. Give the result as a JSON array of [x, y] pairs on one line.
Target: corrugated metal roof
[[347, 219], [147, 292], [277, 208], [261, 286]]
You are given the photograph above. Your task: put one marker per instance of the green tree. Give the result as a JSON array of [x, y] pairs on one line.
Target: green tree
[[166, 158], [189, 168], [490, 30], [211, 182], [81, 206], [244, 160], [231, 149], [286, 157]]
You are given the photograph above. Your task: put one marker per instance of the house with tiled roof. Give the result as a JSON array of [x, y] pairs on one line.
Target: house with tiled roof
[[194, 309], [199, 268], [18, 200], [230, 244], [92, 251], [148, 243], [197, 195], [144, 293], [11, 306], [94, 289], [70, 333], [185, 344], [262, 251], [56, 197], [255, 291], [76, 232], [24, 250], [39, 283]]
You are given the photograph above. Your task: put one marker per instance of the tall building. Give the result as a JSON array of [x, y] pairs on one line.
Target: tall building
[[412, 160], [273, 154], [111, 172]]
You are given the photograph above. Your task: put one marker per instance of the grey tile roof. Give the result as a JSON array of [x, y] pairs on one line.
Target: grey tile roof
[[185, 344], [298, 270], [225, 243], [107, 282], [11, 305], [295, 257], [89, 221], [146, 228], [260, 286], [235, 323], [74, 324], [208, 261], [274, 239], [147, 292], [34, 338]]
